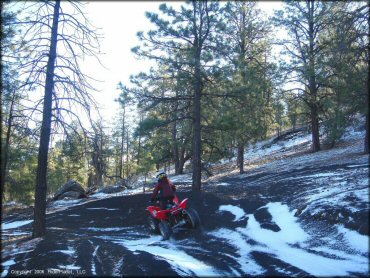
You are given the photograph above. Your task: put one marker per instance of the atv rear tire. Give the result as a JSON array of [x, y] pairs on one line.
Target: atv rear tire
[[192, 218], [165, 230], [153, 224]]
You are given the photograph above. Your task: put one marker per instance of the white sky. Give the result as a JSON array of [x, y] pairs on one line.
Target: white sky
[[119, 22]]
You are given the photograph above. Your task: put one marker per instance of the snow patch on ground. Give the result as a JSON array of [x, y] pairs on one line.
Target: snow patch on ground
[[291, 245], [284, 218], [266, 148], [64, 203], [15, 224], [354, 239], [244, 258], [100, 209], [185, 178], [15, 233], [113, 229], [181, 262], [67, 252], [5, 266], [93, 267]]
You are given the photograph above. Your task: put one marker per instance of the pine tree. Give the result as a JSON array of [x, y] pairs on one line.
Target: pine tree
[[190, 31], [247, 37], [306, 22], [50, 60], [347, 60]]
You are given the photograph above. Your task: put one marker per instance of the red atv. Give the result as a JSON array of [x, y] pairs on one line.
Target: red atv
[[176, 215]]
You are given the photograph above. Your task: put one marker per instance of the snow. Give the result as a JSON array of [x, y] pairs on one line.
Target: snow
[[358, 165], [8, 263], [181, 262], [291, 244], [322, 194], [93, 267], [354, 239], [113, 229], [244, 259], [15, 233], [67, 252], [5, 266], [223, 184], [64, 203], [321, 175], [15, 224], [265, 148], [238, 212], [101, 209], [12, 203], [363, 194], [101, 195], [284, 218], [185, 178]]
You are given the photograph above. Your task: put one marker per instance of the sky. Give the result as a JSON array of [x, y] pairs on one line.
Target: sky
[[119, 22]]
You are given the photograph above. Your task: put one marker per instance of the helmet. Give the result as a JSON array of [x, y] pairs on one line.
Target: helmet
[[160, 175]]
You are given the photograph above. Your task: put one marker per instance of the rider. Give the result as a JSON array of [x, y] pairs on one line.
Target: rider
[[166, 190]]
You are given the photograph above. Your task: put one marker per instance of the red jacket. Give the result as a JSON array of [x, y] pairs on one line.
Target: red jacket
[[165, 188]]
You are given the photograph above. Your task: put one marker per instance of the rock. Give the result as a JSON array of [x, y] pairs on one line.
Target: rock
[[71, 195], [70, 186], [111, 189]]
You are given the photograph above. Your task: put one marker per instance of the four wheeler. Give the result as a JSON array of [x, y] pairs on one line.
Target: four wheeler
[[176, 215]]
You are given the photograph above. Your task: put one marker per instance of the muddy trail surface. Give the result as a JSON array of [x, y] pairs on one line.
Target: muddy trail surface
[[252, 224]]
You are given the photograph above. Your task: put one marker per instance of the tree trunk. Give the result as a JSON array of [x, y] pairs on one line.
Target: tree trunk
[[175, 148], [97, 160], [197, 148], [39, 226], [312, 83], [367, 126], [101, 159], [182, 160], [121, 170], [180, 169], [139, 143], [4, 160], [240, 158], [127, 147], [315, 129]]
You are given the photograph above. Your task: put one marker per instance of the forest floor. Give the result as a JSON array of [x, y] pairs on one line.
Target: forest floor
[[292, 213]]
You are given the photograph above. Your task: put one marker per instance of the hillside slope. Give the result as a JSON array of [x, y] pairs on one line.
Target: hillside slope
[[292, 213]]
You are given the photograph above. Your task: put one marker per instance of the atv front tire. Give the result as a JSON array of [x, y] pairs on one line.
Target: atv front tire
[[165, 230], [192, 218]]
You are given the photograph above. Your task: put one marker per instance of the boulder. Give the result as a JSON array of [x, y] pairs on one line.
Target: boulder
[[76, 189]]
